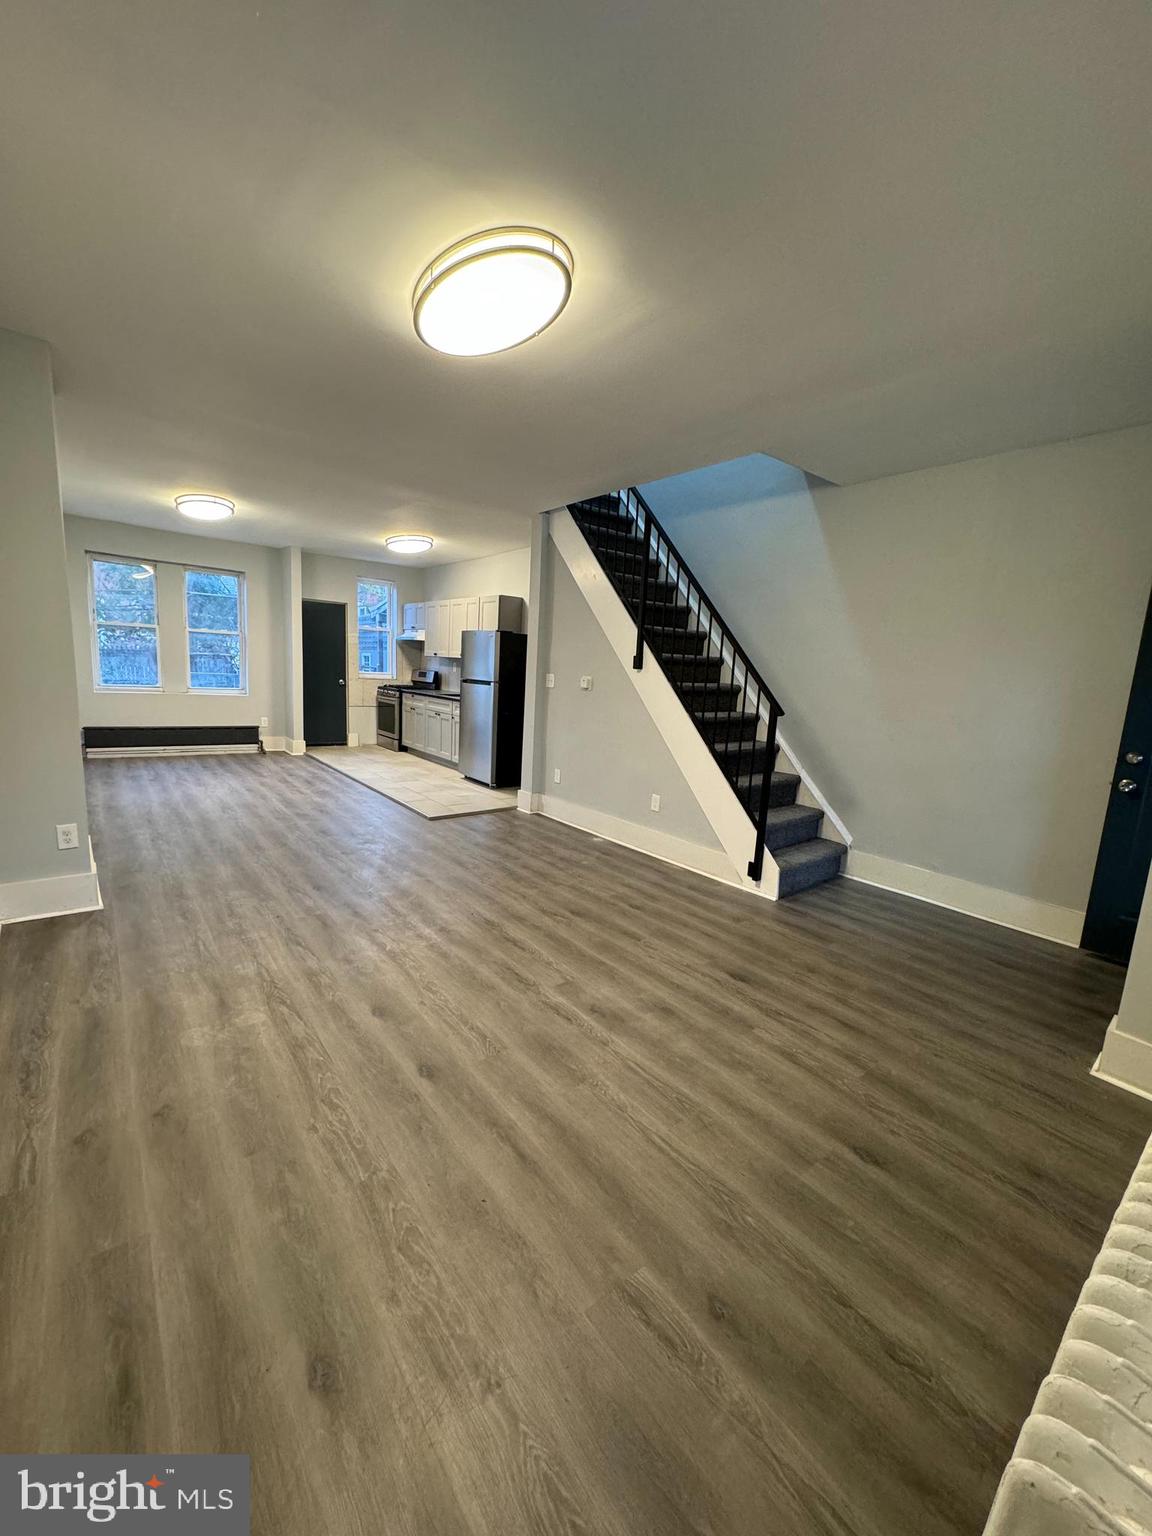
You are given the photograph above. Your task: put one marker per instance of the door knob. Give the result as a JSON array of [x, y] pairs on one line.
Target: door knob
[[341, 682], [1133, 758], [1127, 786]]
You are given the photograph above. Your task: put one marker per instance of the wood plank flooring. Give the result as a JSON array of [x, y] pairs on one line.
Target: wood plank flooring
[[477, 1176]]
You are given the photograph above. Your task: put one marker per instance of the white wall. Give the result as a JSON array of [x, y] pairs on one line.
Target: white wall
[[953, 648], [177, 704], [610, 755], [332, 579], [41, 773]]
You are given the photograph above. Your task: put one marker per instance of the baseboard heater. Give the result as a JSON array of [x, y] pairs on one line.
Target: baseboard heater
[[168, 740], [1083, 1463]]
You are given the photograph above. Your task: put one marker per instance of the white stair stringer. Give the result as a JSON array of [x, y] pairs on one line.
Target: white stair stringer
[[714, 795]]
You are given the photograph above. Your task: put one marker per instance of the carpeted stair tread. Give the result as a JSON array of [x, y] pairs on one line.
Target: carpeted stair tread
[[790, 824], [807, 864]]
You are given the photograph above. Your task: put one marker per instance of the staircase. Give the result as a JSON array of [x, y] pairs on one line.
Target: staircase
[[731, 706]]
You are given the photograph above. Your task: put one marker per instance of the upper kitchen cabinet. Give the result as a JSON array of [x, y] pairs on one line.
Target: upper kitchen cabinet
[[502, 613], [413, 621], [446, 619]]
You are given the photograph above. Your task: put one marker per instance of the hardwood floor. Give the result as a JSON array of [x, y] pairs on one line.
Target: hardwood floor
[[479, 1176]]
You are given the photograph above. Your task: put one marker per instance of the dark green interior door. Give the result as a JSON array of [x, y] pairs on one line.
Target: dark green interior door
[[325, 674], [1126, 843]]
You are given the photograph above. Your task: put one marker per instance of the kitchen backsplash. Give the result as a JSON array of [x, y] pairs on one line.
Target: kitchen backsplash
[[449, 670]]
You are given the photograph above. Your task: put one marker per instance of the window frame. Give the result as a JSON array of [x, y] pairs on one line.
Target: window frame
[[389, 676], [242, 620], [99, 686]]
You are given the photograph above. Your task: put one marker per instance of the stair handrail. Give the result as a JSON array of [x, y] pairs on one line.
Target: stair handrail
[[653, 534], [652, 523]]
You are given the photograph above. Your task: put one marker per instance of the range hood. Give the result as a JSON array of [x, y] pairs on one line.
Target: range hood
[[412, 634]]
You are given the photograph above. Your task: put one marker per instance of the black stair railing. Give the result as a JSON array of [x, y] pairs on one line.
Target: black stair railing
[[731, 705]]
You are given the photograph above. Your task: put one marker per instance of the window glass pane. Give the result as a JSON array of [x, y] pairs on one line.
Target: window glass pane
[[375, 651], [212, 581], [212, 612], [214, 661], [374, 603], [213, 600], [127, 656], [124, 590]]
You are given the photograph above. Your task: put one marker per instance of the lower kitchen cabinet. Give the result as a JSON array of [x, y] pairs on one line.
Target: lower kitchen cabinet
[[432, 726]]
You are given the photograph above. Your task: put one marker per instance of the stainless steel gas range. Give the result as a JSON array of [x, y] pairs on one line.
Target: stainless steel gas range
[[389, 698]]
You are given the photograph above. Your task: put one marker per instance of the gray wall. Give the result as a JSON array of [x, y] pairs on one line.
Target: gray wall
[[177, 704], [506, 574], [953, 647], [41, 774], [610, 755]]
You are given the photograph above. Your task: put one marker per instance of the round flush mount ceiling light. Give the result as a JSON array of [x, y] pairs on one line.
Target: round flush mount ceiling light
[[408, 543], [492, 291], [205, 509], [141, 572]]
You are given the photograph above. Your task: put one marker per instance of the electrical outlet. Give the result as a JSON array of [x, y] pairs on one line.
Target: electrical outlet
[[263, 720], [585, 683], [655, 802], [550, 680], [67, 834], [555, 775]]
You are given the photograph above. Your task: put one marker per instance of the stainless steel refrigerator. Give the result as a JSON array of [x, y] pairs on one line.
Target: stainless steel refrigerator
[[492, 666]]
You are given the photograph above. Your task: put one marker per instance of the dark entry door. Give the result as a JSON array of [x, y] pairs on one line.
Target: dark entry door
[[1126, 844], [325, 674]]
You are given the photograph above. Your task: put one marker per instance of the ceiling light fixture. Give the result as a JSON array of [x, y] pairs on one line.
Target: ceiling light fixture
[[139, 575], [408, 543], [205, 509], [492, 291]]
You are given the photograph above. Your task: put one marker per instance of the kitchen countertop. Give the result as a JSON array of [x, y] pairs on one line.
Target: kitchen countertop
[[429, 693]]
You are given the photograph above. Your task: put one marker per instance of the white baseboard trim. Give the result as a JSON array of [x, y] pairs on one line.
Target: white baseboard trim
[[1125, 1061], [713, 862], [353, 739], [22, 901], [527, 801], [296, 748], [275, 743], [1063, 925]]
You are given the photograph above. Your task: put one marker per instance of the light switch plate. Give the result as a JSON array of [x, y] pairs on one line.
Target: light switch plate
[[555, 775], [550, 680], [655, 802], [585, 683]]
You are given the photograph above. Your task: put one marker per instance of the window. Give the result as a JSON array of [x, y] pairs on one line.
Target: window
[[376, 624], [214, 616], [125, 636]]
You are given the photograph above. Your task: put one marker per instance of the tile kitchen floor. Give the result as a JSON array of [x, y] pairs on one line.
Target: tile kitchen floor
[[430, 789]]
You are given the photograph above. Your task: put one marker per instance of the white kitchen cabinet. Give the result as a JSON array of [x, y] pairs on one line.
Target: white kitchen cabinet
[[445, 620], [432, 726], [500, 612], [457, 609], [412, 724], [438, 629], [413, 618]]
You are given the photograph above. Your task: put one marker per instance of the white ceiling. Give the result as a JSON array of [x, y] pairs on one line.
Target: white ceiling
[[863, 238]]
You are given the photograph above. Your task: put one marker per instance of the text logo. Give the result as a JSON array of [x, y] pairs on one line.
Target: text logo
[[56, 1495]]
